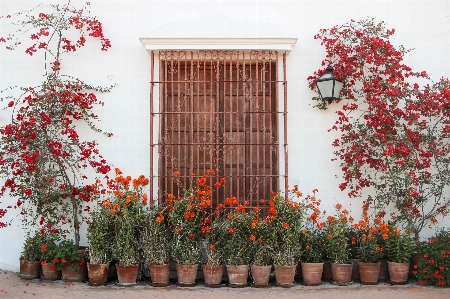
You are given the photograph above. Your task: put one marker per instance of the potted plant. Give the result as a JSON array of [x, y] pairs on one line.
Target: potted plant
[[311, 243], [186, 213], [265, 244], [285, 218], [155, 244], [30, 258], [62, 254], [337, 246], [101, 239], [128, 217], [214, 229], [399, 248], [240, 241], [369, 251]]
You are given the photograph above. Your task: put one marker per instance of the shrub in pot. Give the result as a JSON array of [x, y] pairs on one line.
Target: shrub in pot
[[155, 244], [262, 263], [30, 258], [399, 248], [101, 239], [337, 245], [214, 230]]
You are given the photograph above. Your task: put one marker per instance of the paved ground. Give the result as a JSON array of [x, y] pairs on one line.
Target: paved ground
[[11, 286]]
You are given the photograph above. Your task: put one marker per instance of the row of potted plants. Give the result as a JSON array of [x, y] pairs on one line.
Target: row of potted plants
[[277, 234]]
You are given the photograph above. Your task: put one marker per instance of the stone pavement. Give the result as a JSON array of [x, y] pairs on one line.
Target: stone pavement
[[11, 286]]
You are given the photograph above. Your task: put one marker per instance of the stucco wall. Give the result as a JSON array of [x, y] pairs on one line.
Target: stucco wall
[[423, 25]]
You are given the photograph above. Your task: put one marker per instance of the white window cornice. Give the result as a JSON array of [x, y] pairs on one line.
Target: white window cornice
[[276, 44]]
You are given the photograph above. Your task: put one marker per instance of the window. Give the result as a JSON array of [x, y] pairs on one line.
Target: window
[[219, 109]]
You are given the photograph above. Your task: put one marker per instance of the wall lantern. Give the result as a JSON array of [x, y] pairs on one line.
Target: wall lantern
[[329, 87]]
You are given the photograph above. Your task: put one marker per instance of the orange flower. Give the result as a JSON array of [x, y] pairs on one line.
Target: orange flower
[[212, 172], [112, 211], [118, 172], [191, 236], [212, 247], [231, 230], [385, 236], [179, 229], [260, 240], [338, 206], [252, 238], [285, 225]]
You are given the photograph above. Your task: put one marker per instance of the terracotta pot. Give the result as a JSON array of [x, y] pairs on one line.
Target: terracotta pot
[[187, 274], [261, 274], [77, 274], [98, 273], [384, 272], [213, 274], [29, 269], [284, 275], [355, 269], [342, 273], [326, 274], [112, 272], [127, 275], [159, 274], [398, 272], [312, 273], [237, 275], [369, 272], [49, 272]]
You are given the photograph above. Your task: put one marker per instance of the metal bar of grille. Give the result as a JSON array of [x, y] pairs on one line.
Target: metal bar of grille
[[219, 110]]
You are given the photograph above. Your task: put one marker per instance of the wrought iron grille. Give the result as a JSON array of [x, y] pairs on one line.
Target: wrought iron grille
[[218, 110]]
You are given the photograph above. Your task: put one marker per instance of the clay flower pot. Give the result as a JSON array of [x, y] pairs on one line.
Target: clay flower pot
[[127, 275], [212, 275], [284, 275], [312, 273], [29, 269], [49, 272], [186, 274], [261, 274], [398, 272], [369, 272], [159, 274], [237, 275], [342, 273], [78, 273], [98, 274]]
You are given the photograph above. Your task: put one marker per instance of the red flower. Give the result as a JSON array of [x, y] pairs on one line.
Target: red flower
[[252, 238], [231, 230], [56, 260], [44, 248], [285, 225], [43, 262], [10, 104], [81, 263], [63, 261]]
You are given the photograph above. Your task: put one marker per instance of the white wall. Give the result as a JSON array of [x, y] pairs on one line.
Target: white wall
[[423, 25]]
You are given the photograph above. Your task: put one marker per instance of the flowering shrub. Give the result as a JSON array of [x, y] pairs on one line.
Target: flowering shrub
[[241, 236], [216, 237], [125, 206], [32, 246], [394, 134], [311, 239], [369, 250], [188, 220], [434, 269], [285, 219], [155, 236], [399, 247], [100, 234], [266, 239], [59, 252], [336, 235], [42, 157]]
